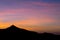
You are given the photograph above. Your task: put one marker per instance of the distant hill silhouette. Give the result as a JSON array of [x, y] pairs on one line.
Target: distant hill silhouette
[[13, 28], [22, 34]]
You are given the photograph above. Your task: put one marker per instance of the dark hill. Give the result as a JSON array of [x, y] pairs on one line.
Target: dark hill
[[13, 28], [18, 33]]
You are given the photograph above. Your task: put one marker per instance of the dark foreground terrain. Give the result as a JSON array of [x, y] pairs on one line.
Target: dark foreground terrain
[[13, 33]]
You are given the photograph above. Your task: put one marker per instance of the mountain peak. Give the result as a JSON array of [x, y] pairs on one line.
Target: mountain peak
[[13, 28]]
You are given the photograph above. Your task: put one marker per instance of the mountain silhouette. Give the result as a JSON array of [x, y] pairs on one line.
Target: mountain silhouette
[[14, 32], [13, 28]]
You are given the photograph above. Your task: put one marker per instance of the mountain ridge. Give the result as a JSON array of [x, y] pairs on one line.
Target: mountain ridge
[[20, 33]]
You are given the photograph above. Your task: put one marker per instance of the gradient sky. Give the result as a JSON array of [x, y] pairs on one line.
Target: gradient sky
[[35, 15]]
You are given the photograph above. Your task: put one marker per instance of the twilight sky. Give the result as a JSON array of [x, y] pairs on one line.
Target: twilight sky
[[35, 15]]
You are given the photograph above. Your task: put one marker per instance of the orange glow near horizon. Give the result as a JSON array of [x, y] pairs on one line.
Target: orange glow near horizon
[[4, 25], [32, 24]]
